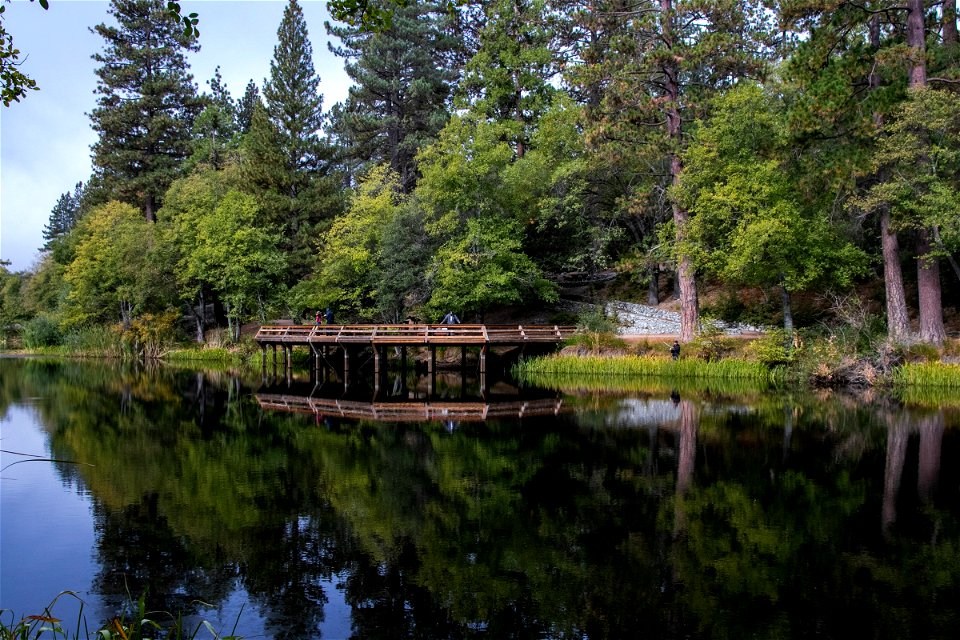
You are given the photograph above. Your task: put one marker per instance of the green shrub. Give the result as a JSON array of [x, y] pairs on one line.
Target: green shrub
[[920, 352], [772, 349], [596, 320], [711, 344], [42, 331]]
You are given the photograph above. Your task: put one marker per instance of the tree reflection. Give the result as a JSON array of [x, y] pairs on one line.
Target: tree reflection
[[647, 516]]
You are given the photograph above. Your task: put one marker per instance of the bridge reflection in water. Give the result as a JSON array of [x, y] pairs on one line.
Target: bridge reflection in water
[[443, 397]]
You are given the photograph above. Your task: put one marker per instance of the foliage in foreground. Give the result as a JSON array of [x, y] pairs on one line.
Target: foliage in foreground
[[134, 623]]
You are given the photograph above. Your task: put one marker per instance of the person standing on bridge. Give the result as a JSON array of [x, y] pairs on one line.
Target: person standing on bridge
[[328, 316], [318, 317], [450, 318]]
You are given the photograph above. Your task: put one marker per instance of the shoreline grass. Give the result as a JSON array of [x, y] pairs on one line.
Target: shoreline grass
[[928, 374], [646, 366]]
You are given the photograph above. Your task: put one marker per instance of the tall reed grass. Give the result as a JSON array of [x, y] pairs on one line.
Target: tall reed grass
[[928, 374], [135, 623], [644, 367], [577, 383]]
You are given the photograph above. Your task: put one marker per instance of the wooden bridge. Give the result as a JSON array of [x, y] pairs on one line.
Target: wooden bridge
[[321, 338], [393, 335]]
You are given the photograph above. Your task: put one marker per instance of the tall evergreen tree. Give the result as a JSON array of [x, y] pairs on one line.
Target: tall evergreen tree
[[510, 76], [215, 129], [245, 106], [63, 216], [656, 76], [146, 106], [293, 99], [402, 82]]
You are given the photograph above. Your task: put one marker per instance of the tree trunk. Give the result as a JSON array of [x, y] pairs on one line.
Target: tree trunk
[[898, 322], [916, 40], [689, 312], [950, 22], [787, 311], [150, 208], [200, 316], [653, 288], [928, 285], [928, 268]]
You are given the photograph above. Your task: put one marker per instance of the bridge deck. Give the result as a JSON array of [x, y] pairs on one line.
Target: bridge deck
[[412, 334]]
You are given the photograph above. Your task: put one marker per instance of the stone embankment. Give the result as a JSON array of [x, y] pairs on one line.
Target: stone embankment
[[640, 319]]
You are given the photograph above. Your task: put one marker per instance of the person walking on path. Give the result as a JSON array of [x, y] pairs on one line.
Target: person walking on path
[[675, 350]]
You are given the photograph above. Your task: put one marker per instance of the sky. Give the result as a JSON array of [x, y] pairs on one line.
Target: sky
[[45, 139]]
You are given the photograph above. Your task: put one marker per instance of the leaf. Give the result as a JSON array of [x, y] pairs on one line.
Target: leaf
[[44, 619]]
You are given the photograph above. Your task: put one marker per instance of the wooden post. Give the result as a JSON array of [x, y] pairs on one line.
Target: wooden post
[[483, 359]]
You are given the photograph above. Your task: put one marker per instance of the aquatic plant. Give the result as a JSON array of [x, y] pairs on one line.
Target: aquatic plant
[[928, 374], [135, 623], [643, 366]]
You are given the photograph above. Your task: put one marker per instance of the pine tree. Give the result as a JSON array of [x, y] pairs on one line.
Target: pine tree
[[402, 82], [246, 105], [146, 106], [509, 77], [660, 68], [215, 129], [293, 101], [63, 216]]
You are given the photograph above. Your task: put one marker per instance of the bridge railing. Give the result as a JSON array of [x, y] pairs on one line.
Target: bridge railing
[[395, 334]]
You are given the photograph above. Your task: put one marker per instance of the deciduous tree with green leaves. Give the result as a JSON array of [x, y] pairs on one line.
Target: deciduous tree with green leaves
[[918, 162], [750, 224], [114, 276], [484, 267], [351, 250], [656, 76], [238, 256]]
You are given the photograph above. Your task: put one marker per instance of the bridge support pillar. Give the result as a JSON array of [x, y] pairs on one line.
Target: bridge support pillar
[[483, 359]]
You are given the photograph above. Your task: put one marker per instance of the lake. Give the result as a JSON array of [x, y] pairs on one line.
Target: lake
[[429, 508]]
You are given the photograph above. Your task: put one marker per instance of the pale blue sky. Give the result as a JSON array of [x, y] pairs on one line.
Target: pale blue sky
[[45, 139]]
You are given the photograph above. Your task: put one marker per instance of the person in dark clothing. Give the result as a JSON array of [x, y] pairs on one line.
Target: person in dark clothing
[[328, 316], [675, 350], [450, 318]]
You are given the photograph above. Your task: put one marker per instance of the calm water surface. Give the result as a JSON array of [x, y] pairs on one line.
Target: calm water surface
[[276, 509]]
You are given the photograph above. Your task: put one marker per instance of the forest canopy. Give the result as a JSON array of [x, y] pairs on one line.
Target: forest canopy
[[488, 151]]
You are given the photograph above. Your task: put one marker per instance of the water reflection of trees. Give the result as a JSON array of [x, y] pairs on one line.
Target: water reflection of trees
[[785, 517]]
